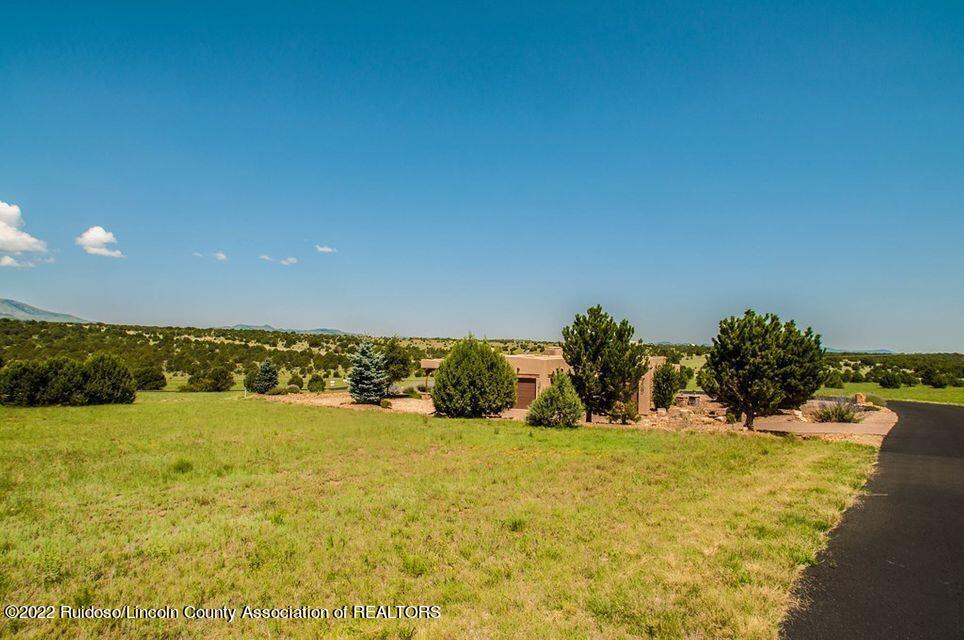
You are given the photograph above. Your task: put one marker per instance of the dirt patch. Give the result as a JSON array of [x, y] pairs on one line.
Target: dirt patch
[[342, 400]]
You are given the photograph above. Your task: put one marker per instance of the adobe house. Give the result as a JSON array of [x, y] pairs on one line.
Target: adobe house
[[534, 373]]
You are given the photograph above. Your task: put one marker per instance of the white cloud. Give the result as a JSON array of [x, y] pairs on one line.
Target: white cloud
[[95, 240], [10, 215], [10, 261], [325, 248], [12, 239], [265, 257], [197, 254], [289, 260], [220, 255]]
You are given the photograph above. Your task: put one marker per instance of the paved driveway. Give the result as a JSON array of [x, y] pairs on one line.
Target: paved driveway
[[894, 567]]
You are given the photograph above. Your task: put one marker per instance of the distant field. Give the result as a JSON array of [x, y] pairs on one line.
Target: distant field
[[212, 500], [695, 363], [918, 393]]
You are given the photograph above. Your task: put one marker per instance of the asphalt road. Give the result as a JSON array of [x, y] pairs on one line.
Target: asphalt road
[[894, 568]]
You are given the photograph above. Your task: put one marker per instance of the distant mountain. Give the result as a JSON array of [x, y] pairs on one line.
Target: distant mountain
[[268, 327], [869, 352], [16, 310]]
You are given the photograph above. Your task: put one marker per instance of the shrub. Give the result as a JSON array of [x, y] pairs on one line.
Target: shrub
[[65, 381], [367, 380], [22, 384], [889, 380], [316, 383], [934, 378], [834, 380], [220, 378], [557, 406], [107, 381], [837, 412], [264, 380], [276, 391], [758, 364], [411, 392], [624, 412], [907, 378], [473, 381], [876, 400], [100, 380], [385, 403], [293, 388], [666, 384], [251, 378], [396, 359], [149, 378], [296, 381]]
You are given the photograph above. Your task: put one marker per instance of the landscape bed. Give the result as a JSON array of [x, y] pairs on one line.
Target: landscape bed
[[212, 500]]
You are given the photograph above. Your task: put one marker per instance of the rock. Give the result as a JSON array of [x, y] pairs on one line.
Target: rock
[[661, 412], [860, 398]]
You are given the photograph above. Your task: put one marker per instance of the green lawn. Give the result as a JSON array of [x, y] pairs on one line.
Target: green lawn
[[918, 393], [212, 500], [695, 363]]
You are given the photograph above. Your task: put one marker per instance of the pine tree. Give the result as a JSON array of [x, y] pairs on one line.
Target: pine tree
[[398, 360], [367, 380], [264, 380], [666, 384], [758, 364], [606, 362]]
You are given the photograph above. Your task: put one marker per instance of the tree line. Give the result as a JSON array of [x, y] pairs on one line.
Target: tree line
[[756, 366]]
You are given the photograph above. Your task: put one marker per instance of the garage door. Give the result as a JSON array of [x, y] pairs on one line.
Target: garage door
[[525, 392]]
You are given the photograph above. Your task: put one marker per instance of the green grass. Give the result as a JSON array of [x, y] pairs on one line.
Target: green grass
[[695, 363], [211, 500], [918, 393]]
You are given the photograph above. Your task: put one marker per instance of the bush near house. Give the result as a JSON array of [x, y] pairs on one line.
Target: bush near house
[[557, 406], [473, 381], [758, 364], [667, 382], [102, 379], [624, 412], [367, 380]]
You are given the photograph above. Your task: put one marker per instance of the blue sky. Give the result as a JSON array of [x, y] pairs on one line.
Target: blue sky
[[491, 168]]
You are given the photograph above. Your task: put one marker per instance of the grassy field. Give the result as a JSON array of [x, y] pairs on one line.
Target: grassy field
[[695, 363], [917, 393], [213, 500]]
